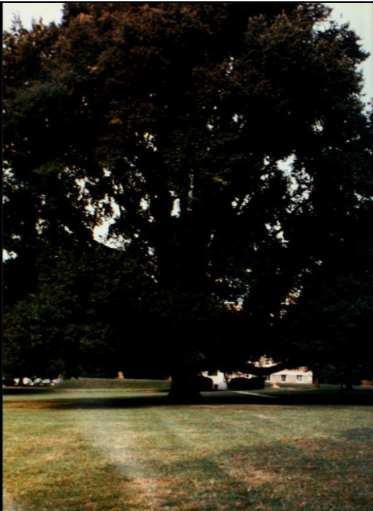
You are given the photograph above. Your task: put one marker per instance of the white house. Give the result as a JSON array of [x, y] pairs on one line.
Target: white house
[[297, 376], [301, 375]]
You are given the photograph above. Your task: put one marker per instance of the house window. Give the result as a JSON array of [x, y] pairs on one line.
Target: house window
[[299, 377], [283, 377]]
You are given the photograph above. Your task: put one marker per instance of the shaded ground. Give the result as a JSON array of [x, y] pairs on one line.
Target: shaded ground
[[95, 399]]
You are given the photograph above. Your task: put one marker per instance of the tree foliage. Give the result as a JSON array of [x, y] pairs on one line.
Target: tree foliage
[[83, 318], [228, 142]]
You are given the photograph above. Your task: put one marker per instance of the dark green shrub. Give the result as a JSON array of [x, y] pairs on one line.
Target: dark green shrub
[[246, 383], [204, 383]]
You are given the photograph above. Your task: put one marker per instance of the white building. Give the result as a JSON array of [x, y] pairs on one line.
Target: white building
[[301, 375], [297, 376], [219, 379]]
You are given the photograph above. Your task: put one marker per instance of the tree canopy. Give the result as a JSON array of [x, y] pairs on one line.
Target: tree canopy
[[228, 144]]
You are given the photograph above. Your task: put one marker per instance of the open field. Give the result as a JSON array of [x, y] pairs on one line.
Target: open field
[[103, 450], [117, 384]]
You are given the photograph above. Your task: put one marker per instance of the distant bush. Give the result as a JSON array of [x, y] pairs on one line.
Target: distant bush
[[8, 382], [246, 384], [204, 383]]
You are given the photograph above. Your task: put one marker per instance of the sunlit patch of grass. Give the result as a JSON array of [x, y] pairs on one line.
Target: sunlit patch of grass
[[184, 458], [48, 464]]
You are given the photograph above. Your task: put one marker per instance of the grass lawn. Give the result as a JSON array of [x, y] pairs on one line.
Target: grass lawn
[[101, 450]]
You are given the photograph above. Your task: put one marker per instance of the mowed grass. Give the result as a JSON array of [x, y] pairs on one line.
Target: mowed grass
[[83, 388], [124, 384], [103, 453]]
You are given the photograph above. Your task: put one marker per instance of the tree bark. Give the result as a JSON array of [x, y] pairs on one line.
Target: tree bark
[[316, 377]]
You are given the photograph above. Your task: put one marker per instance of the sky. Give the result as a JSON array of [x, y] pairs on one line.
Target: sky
[[358, 14]]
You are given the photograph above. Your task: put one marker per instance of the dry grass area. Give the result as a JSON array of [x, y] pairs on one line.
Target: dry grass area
[[184, 458]]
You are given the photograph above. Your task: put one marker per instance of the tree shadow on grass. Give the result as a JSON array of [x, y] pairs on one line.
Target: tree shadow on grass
[[320, 473], [207, 399], [201, 483], [355, 434], [27, 391]]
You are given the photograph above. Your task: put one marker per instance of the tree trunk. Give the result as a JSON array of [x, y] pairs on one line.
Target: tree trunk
[[316, 382], [348, 377], [316, 376]]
